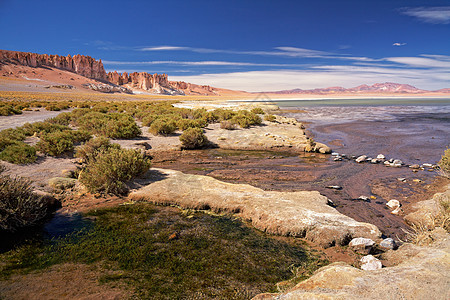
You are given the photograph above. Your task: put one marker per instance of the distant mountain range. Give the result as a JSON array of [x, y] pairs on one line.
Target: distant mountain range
[[387, 87]]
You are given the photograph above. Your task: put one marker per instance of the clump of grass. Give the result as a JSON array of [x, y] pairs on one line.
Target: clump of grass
[[228, 125], [163, 126], [89, 150], [245, 118], [19, 153], [193, 138], [444, 164], [270, 118], [111, 168], [258, 110], [165, 254], [58, 142], [19, 206], [184, 124], [113, 125]]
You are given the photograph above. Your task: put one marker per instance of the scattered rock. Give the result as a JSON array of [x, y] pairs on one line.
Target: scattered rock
[[387, 163], [414, 166], [335, 154], [374, 161], [402, 179], [361, 245], [361, 158], [397, 211], [334, 187], [393, 204], [370, 263], [380, 156], [417, 180], [337, 158], [387, 244], [364, 198], [427, 165]]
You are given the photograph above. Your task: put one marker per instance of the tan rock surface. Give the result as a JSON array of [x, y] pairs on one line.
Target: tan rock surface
[[304, 214], [425, 275]]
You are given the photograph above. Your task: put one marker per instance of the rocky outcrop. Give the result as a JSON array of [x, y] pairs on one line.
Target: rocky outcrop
[[301, 214], [79, 64], [194, 89], [423, 273], [106, 88], [157, 83]]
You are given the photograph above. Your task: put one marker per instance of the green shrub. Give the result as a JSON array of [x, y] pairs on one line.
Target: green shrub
[[245, 118], [258, 111], [444, 163], [223, 114], [227, 125], [112, 125], [109, 171], [193, 138], [184, 124], [270, 118], [19, 206], [42, 127], [19, 153], [163, 126], [58, 142], [93, 147]]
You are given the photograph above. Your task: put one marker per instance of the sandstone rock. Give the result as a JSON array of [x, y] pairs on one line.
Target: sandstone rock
[[397, 211], [303, 214], [388, 243], [325, 150], [374, 161], [361, 159], [423, 273], [157, 83], [361, 245], [80, 64], [370, 263], [397, 162], [414, 166]]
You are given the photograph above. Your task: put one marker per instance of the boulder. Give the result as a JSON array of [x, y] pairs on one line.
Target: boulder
[[361, 245], [370, 263], [302, 214], [381, 156]]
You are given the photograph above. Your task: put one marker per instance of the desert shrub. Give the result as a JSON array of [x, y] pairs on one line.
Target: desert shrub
[[184, 124], [223, 114], [112, 125], [444, 163], [16, 134], [148, 119], [227, 125], [89, 150], [193, 138], [18, 153], [58, 142], [7, 110], [19, 206], [258, 111], [270, 118], [42, 127], [109, 171], [163, 126], [61, 119], [245, 118]]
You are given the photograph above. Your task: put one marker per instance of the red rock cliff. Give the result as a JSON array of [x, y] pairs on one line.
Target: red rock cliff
[[80, 64]]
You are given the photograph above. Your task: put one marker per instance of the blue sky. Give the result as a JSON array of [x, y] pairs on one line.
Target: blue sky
[[252, 45]]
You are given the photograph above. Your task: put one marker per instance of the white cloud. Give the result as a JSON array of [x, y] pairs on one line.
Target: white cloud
[[163, 48], [398, 44], [435, 15], [197, 63], [421, 62]]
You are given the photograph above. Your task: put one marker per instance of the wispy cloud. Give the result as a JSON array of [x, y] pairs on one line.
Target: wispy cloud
[[197, 63], [163, 48], [398, 44], [426, 61], [435, 15]]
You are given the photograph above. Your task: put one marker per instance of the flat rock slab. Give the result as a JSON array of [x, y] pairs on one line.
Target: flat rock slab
[[301, 214], [425, 275]]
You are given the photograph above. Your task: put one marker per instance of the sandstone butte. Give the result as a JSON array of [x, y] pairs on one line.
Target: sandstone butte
[[79, 64], [301, 214]]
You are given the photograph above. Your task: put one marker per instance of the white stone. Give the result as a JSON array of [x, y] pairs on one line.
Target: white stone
[[381, 156], [370, 263], [361, 241], [388, 243], [361, 159], [335, 154], [393, 204]]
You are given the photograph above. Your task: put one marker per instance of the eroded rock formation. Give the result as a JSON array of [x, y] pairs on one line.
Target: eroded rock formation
[[79, 64], [157, 83]]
